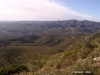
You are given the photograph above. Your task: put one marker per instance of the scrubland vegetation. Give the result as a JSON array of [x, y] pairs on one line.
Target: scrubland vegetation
[[70, 47], [50, 55]]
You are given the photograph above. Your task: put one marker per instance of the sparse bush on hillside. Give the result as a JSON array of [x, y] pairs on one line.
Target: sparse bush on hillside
[[71, 54], [38, 64], [91, 45], [13, 69], [85, 52]]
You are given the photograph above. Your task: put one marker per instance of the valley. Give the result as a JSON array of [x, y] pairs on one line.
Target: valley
[[68, 47]]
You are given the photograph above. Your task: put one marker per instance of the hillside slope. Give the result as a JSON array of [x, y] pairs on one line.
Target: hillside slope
[[51, 55]]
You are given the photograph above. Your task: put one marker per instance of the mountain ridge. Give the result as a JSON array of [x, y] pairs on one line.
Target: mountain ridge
[[66, 27]]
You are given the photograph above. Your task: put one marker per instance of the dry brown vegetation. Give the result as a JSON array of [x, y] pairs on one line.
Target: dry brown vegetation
[[50, 55]]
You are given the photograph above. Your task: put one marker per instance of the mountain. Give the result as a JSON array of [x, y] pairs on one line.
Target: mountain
[[66, 27], [67, 47]]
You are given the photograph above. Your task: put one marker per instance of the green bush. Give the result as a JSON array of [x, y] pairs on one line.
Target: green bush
[[13, 69], [38, 64], [71, 54]]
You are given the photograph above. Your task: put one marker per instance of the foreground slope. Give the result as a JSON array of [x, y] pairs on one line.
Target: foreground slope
[[51, 55]]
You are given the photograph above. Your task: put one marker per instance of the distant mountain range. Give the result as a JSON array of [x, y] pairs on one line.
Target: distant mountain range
[[66, 27]]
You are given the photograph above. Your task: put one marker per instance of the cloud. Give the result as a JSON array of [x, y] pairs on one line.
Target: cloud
[[37, 10]]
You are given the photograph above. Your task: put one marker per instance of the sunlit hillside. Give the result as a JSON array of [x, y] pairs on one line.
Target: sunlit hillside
[[50, 55]]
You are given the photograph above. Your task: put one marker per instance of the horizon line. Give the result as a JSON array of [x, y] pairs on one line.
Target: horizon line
[[43, 20]]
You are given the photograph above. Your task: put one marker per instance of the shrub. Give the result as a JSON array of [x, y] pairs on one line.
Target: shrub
[[38, 64], [13, 69]]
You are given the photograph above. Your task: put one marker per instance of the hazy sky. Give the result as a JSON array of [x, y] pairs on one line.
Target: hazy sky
[[49, 10]]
